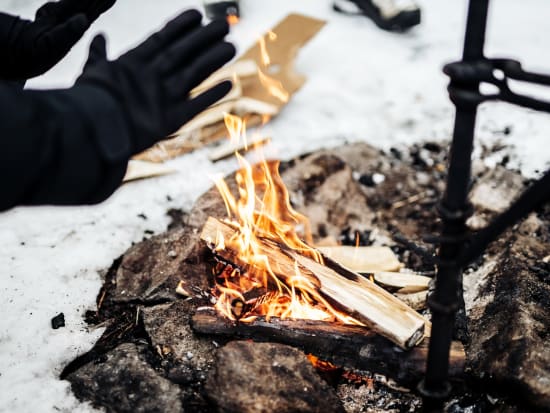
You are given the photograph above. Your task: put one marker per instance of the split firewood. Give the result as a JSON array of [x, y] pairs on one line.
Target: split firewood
[[143, 169], [239, 69], [282, 44], [200, 130], [328, 241], [347, 291], [363, 259], [207, 117], [228, 149], [179, 145], [405, 282], [181, 289], [253, 95], [245, 105], [351, 347], [414, 300], [237, 106]]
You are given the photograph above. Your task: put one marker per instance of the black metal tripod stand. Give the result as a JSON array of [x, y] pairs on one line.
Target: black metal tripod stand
[[457, 246]]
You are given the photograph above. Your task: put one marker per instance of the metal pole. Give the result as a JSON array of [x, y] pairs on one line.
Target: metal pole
[[454, 210]]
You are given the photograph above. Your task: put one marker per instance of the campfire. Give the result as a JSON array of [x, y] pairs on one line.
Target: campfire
[[178, 339], [263, 212], [251, 297], [265, 269]]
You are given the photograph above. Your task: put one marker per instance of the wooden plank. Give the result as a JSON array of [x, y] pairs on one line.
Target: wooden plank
[[363, 259], [414, 300], [346, 291], [405, 282], [143, 169], [236, 70]]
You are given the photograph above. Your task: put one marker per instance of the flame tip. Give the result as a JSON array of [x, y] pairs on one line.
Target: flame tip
[[263, 211]]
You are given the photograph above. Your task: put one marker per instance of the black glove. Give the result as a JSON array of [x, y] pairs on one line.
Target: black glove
[[28, 49], [150, 84]]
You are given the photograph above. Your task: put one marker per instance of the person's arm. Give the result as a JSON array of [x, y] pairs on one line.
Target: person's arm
[[72, 146], [30, 48], [7, 24], [53, 146]]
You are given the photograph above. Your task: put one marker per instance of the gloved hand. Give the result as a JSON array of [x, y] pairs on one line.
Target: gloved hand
[[150, 84], [30, 48]]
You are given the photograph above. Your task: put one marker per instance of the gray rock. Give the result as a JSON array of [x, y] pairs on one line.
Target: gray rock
[[322, 188], [267, 377], [363, 158], [125, 382], [496, 189], [168, 328], [509, 319], [151, 270]]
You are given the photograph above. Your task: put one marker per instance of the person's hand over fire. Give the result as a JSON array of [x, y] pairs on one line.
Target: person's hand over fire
[[150, 84], [30, 48]]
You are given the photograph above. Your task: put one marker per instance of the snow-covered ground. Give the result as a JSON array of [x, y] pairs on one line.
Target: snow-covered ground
[[363, 84]]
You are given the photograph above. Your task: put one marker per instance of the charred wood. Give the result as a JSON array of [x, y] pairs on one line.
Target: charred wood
[[351, 347]]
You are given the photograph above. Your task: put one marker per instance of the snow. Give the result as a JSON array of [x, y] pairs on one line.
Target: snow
[[363, 84]]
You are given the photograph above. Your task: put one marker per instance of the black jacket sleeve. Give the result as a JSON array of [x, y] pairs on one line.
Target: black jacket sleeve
[[60, 147], [72, 146], [7, 24]]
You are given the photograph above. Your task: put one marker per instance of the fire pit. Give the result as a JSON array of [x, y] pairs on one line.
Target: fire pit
[[166, 349]]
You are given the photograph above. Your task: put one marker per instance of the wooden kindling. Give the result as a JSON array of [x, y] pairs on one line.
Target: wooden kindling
[[350, 347], [347, 291]]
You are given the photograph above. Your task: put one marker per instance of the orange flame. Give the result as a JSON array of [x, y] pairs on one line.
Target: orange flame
[[263, 210], [236, 128], [266, 60], [274, 87], [272, 36]]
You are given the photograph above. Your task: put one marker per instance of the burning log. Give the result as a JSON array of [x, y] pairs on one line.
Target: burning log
[[352, 347], [347, 291]]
